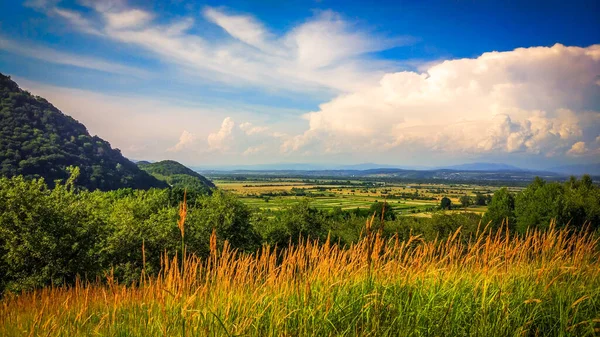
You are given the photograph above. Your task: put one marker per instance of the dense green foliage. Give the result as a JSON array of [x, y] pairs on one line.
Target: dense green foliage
[[50, 235], [575, 202], [37, 140], [177, 175], [501, 208], [465, 201], [445, 203]]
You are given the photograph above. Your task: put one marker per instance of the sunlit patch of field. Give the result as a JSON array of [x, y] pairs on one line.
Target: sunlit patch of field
[[251, 187]]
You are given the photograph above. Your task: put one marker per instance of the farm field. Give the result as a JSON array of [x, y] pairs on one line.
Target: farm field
[[406, 199]]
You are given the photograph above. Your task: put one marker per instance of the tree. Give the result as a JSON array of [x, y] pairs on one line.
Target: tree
[[446, 203], [582, 203], [539, 204], [480, 199], [230, 217], [378, 207], [500, 209], [296, 221], [465, 201], [46, 236]]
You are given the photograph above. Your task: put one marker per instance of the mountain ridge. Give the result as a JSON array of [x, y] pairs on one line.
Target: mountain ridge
[[37, 140]]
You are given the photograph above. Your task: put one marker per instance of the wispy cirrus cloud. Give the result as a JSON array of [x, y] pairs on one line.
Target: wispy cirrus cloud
[[325, 52], [54, 56]]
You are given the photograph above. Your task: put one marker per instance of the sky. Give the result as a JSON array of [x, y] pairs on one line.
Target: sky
[[407, 83]]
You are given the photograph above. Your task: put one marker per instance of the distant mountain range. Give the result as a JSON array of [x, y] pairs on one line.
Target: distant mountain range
[[311, 169], [484, 167], [395, 173], [399, 174], [592, 169], [468, 173], [302, 167]]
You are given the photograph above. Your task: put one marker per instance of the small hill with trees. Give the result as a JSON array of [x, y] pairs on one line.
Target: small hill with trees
[[177, 175], [38, 141]]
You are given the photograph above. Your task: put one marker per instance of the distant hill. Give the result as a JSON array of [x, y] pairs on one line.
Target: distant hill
[[483, 167], [38, 140], [393, 174], [491, 167], [305, 167], [592, 169], [176, 174]]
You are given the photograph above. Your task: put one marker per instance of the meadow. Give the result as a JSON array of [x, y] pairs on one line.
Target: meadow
[[545, 283], [407, 199]]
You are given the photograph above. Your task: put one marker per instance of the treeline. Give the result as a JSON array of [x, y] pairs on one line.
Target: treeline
[[574, 202], [51, 235]]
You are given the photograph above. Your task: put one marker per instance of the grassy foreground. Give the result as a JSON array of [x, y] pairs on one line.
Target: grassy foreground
[[541, 284]]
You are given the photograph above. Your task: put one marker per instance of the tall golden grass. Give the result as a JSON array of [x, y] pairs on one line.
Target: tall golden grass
[[488, 284]]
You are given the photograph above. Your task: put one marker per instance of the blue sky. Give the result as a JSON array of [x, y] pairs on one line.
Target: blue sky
[[331, 82]]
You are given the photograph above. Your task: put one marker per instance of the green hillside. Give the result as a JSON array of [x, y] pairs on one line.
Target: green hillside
[[177, 175], [38, 140]]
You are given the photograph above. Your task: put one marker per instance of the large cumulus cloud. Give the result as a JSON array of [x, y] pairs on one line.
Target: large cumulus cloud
[[538, 100]]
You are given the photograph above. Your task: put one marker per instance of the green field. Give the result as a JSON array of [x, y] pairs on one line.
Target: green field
[[405, 199]]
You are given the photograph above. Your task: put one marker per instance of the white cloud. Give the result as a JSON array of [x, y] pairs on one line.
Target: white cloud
[[58, 57], [578, 148], [127, 19], [250, 129], [221, 139], [242, 27], [185, 140], [526, 100], [246, 139], [330, 40], [77, 20], [253, 150]]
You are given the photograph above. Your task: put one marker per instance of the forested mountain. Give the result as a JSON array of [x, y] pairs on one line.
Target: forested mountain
[[176, 175], [38, 140]]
